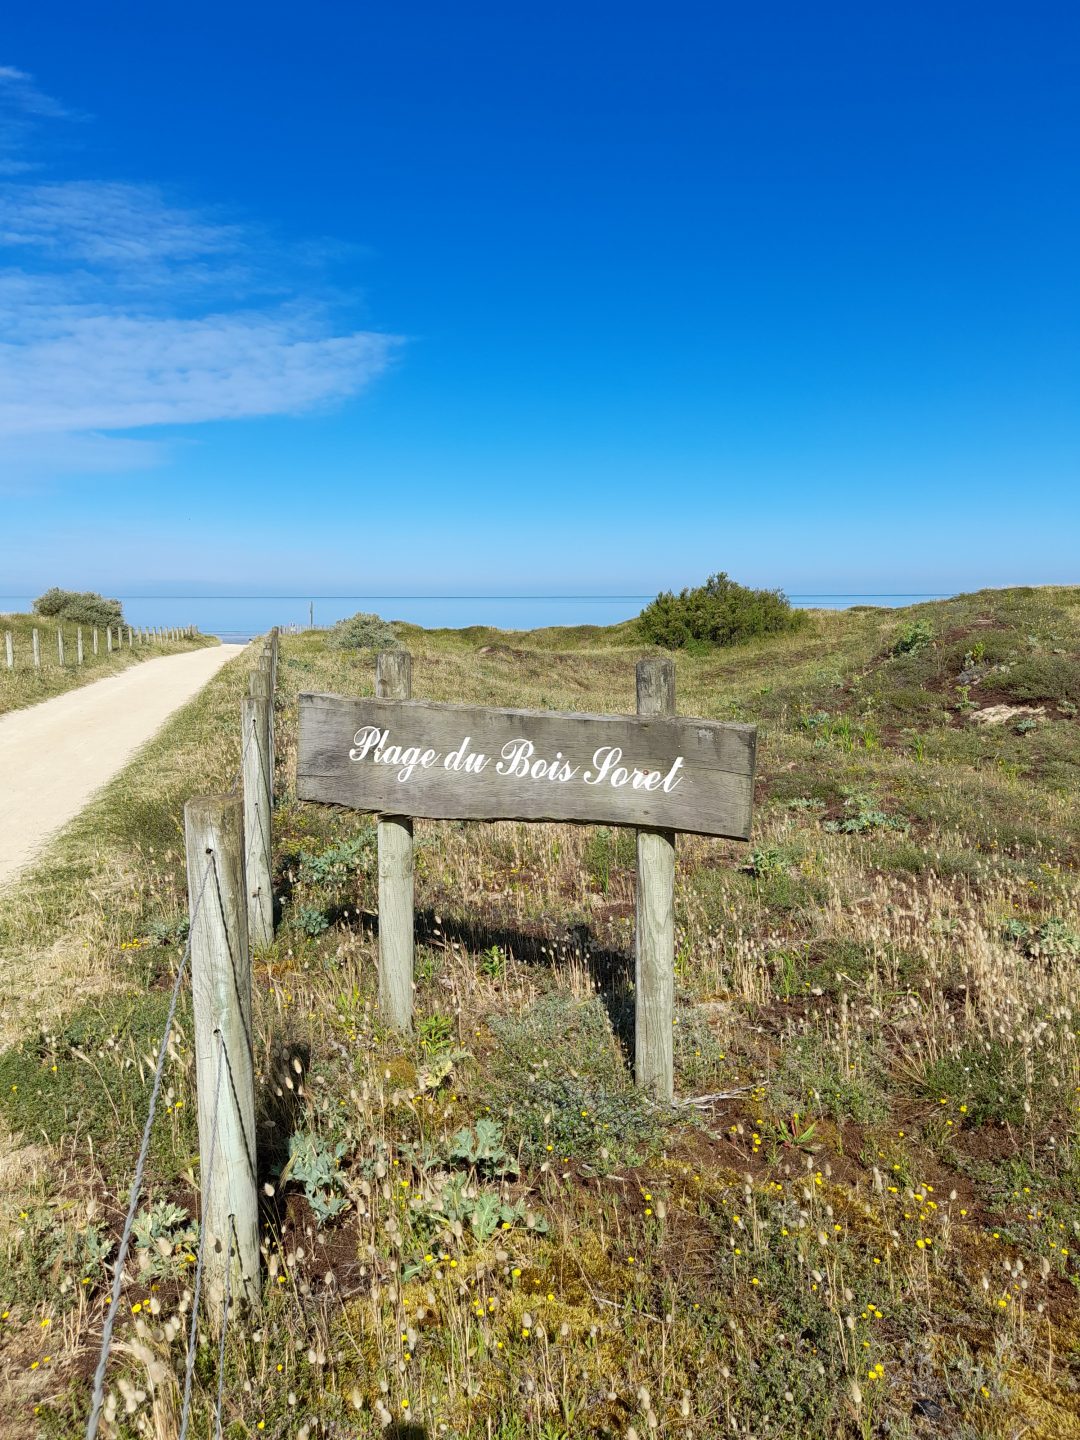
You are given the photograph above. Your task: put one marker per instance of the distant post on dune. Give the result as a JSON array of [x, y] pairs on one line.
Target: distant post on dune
[[60, 645], [35, 641], [9, 649]]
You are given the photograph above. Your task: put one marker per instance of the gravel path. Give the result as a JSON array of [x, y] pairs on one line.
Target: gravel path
[[53, 756]]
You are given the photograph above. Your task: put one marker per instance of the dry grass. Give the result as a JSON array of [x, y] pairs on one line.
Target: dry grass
[[876, 1232]]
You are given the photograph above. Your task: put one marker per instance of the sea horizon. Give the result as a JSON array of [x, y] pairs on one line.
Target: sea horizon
[[240, 618]]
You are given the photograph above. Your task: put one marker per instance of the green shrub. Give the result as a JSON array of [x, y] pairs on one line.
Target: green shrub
[[85, 607], [913, 638], [720, 612], [1043, 677], [363, 632]]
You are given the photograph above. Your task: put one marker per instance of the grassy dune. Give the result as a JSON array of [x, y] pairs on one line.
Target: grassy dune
[[26, 684], [863, 1220]]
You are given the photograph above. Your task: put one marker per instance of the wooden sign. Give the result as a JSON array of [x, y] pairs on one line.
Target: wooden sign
[[463, 762]]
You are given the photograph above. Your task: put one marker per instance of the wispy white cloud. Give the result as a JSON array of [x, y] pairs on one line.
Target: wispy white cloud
[[75, 368], [109, 224], [22, 94], [122, 309], [22, 108]]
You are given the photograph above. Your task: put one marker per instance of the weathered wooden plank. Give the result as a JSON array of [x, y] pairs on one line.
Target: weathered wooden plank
[[654, 950], [465, 762]]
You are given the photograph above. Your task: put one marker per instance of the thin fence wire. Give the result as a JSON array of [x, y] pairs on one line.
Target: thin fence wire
[[200, 1254], [98, 1393]]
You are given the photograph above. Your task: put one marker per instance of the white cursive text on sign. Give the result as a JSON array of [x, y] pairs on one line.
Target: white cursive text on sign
[[518, 759]]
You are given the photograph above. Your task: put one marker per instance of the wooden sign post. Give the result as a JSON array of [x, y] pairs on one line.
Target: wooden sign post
[[655, 772]]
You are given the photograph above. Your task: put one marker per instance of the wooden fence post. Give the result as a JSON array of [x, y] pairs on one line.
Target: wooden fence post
[[60, 645], [78, 645], [259, 684], [9, 649], [108, 639], [129, 637], [95, 643], [35, 643], [654, 985], [224, 1060], [258, 798], [393, 681]]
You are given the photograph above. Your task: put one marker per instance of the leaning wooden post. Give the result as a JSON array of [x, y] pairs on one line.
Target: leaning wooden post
[[9, 649], [257, 833], [60, 645], [393, 681], [224, 1060], [78, 645], [35, 644], [654, 986]]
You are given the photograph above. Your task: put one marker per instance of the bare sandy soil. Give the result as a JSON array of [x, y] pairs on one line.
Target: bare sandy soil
[[53, 756]]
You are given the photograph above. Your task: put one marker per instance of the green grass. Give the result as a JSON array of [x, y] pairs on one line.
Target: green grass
[[875, 1010]]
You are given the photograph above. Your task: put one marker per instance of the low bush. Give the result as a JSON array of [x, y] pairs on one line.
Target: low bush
[[1043, 677], [363, 632], [720, 612], [85, 607], [912, 638]]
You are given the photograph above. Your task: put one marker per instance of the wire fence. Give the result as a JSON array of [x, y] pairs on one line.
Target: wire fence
[[205, 894]]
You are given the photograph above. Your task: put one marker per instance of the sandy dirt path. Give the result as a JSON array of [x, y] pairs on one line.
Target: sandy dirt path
[[53, 756]]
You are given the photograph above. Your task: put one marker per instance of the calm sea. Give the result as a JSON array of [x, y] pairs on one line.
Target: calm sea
[[236, 618]]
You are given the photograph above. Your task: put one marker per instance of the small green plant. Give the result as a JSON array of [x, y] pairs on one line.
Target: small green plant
[[459, 1202], [316, 1167], [81, 1249], [918, 745], [341, 861], [863, 813], [435, 1032], [912, 638], [165, 1239], [813, 721], [1053, 939], [493, 962], [482, 1148], [171, 931], [765, 860], [1026, 725], [363, 631], [311, 920]]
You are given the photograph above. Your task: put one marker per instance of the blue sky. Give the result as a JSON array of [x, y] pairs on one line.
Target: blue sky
[[598, 298]]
